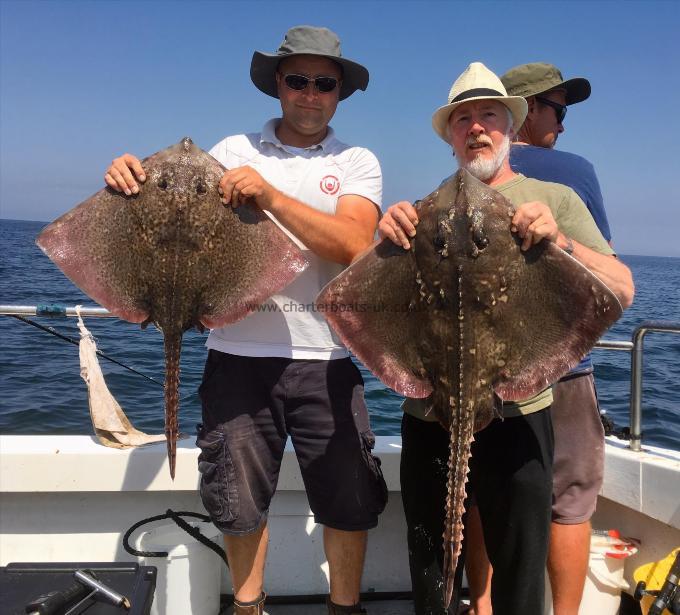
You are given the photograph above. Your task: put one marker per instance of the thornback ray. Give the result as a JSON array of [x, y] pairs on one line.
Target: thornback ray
[[173, 255], [465, 319]]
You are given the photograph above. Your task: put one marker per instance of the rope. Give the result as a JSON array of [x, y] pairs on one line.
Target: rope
[[177, 518]]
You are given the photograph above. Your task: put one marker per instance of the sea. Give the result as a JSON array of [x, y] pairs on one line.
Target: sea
[[41, 391]]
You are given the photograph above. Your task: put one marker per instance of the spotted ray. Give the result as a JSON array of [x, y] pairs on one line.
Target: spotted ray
[[173, 255], [465, 318]]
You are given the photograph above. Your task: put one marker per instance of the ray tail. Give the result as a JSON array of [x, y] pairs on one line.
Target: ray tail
[[173, 347], [459, 455], [461, 429]]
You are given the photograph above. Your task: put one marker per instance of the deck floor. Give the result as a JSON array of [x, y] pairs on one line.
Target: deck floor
[[386, 607], [373, 607]]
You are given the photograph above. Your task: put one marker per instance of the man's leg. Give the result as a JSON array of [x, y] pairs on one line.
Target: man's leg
[[242, 440], [511, 477], [477, 565], [578, 473], [246, 556], [345, 552], [568, 565], [328, 423], [424, 469]]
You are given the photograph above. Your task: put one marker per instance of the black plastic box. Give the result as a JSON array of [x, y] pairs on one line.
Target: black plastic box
[[21, 583]]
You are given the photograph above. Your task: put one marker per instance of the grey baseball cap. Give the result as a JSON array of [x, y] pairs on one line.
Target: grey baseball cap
[[539, 77], [307, 40]]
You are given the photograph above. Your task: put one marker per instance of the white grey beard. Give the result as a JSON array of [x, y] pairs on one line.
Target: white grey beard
[[485, 168]]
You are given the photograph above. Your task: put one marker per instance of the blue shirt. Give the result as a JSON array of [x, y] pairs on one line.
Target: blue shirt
[[552, 165]]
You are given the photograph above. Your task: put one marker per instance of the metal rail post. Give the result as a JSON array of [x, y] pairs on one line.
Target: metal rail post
[[636, 374]]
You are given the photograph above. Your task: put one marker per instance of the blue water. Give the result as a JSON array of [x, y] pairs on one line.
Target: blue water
[[41, 390]]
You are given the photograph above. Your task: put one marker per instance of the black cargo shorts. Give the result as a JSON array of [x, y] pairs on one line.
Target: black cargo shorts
[[251, 405]]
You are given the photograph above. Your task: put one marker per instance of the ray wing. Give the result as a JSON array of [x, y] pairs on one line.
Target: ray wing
[[250, 259], [554, 313], [373, 307], [97, 246]]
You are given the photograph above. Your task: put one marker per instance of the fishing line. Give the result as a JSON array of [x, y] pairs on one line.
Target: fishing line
[[77, 343], [52, 331]]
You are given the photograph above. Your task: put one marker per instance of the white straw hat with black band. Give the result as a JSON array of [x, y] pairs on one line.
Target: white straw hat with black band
[[478, 83], [307, 40]]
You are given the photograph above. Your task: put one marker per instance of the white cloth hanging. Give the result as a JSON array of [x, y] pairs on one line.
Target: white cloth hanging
[[110, 424]]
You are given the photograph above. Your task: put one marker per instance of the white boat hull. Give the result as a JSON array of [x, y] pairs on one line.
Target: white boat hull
[[67, 498]]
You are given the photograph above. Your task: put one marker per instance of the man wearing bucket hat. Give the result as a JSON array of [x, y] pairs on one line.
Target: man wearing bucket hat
[[578, 467], [510, 468], [281, 371]]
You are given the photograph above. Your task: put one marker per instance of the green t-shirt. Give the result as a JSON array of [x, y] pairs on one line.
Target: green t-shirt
[[574, 220]]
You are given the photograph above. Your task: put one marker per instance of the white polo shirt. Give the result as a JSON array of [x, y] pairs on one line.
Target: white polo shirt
[[287, 325]]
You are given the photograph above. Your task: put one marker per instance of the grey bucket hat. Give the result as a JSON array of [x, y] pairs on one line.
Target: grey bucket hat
[[539, 77], [307, 40]]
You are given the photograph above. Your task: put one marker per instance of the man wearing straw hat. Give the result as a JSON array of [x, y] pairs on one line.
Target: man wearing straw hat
[[281, 371], [511, 464], [578, 464]]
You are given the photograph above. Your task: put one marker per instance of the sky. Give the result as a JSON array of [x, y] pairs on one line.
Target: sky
[[82, 82]]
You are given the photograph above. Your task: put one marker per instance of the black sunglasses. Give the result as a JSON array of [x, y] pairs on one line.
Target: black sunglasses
[[300, 82], [560, 110]]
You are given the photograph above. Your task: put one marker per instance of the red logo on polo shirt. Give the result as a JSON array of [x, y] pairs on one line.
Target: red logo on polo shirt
[[330, 184]]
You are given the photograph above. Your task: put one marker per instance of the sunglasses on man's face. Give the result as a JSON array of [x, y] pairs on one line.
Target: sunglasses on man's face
[[299, 82], [560, 110]]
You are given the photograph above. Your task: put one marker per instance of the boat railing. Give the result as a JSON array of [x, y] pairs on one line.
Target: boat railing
[[55, 311], [635, 347]]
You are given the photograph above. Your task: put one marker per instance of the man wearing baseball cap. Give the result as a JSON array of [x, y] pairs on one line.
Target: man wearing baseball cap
[[548, 97], [282, 371], [511, 463], [578, 467]]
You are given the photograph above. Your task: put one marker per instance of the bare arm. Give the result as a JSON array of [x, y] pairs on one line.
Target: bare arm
[[336, 237]]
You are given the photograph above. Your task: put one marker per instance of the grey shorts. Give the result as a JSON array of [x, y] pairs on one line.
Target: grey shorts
[[578, 467], [250, 407]]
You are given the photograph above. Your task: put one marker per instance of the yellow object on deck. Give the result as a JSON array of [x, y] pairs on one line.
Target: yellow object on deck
[[654, 576]]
